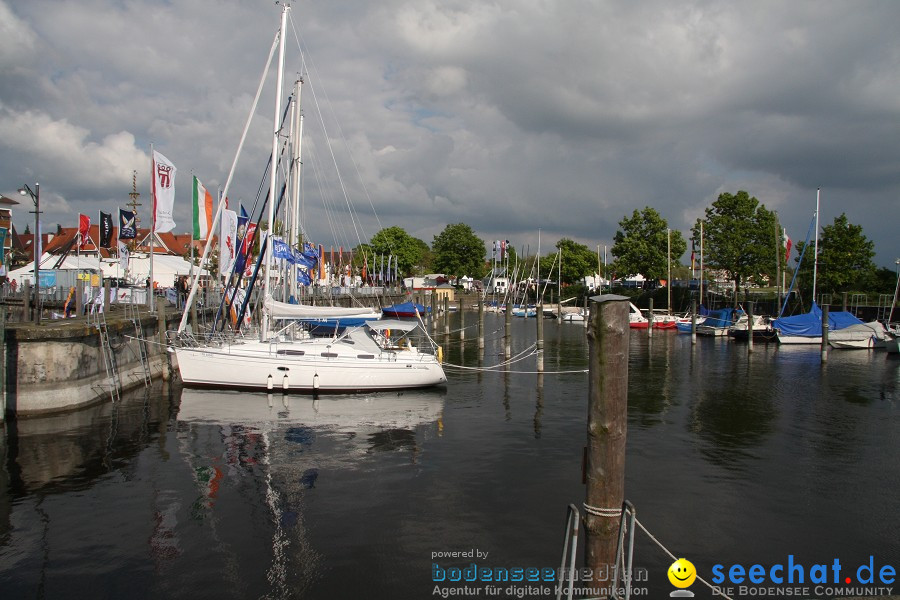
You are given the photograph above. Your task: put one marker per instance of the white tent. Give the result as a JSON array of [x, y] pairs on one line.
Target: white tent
[[166, 268]]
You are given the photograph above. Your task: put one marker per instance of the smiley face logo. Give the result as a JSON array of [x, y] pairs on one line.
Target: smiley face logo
[[682, 573]]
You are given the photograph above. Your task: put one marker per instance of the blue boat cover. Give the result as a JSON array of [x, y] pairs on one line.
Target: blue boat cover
[[810, 324], [405, 308], [724, 317]]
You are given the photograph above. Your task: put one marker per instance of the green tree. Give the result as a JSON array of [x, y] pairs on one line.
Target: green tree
[[458, 251], [845, 260], [738, 237], [577, 261], [395, 241], [641, 245]]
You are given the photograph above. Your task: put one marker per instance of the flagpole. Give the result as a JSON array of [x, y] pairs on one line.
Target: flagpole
[[152, 226], [99, 259]]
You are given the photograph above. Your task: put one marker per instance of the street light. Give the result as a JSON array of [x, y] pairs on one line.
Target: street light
[[36, 198]]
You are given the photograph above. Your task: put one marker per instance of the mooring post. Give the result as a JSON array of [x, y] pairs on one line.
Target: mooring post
[[749, 306], [825, 333], [447, 314], [604, 467], [462, 321], [433, 311], [585, 312], [693, 322], [481, 323], [540, 337], [650, 319], [507, 343]]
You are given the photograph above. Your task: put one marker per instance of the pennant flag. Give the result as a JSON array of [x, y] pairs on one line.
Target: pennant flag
[[105, 229], [202, 205], [281, 249], [123, 256], [365, 263], [693, 250], [227, 237], [84, 230], [303, 277], [127, 229], [321, 262], [787, 244], [163, 178]]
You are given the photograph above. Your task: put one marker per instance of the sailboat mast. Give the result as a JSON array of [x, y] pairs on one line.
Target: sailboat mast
[[669, 275], [816, 248], [273, 168], [701, 263], [296, 141]]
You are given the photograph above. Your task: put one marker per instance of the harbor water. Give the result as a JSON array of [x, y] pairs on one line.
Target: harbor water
[[732, 459]]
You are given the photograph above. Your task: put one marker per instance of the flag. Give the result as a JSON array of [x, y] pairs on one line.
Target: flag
[[202, 205], [693, 250], [786, 241], [242, 229], [105, 229], [303, 277], [127, 229], [163, 178], [84, 229], [227, 237], [123, 256], [282, 250]]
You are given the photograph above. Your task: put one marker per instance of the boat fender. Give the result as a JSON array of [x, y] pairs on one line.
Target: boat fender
[[269, 384], [440, 354], [316, 382], [285, 383]]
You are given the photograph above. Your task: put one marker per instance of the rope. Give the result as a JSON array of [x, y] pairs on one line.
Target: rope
[[718, 592], [611, 513]]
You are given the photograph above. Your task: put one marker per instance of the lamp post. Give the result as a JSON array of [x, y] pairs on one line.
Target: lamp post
[[36, 198]]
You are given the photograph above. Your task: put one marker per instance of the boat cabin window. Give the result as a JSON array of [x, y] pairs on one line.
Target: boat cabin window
[[291, 352]]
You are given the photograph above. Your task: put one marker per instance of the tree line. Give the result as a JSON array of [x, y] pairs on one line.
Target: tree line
[[741, 239]]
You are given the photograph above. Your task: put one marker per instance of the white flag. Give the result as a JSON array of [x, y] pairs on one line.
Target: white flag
[[163, 178], [227, 238], [123, 256]]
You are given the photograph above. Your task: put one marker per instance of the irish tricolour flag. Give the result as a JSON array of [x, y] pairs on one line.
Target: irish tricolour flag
[[203, 211]]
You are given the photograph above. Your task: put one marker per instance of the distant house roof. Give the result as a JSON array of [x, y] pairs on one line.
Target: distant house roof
[[8, 201]]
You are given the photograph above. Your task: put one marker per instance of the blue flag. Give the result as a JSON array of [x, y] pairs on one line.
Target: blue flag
[[280, 249], [303, 277]]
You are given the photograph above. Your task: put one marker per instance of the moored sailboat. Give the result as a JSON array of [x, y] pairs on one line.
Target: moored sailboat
[[379, 355]]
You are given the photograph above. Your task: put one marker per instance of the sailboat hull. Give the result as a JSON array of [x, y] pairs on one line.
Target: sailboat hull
[[306, 367]]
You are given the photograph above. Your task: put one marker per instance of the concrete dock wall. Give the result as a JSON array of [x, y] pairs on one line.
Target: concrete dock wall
[[60, 367]]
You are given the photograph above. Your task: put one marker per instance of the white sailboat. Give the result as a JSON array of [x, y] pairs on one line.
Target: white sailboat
[[377, 356]]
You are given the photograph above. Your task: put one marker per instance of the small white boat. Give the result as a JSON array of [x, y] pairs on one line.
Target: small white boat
[[573, 317], [867, 335]]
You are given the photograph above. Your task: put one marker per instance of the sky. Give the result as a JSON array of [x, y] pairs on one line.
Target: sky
[[528, 120]]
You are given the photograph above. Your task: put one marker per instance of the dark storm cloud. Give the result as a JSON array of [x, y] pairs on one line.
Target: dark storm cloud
[[513, 117]]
